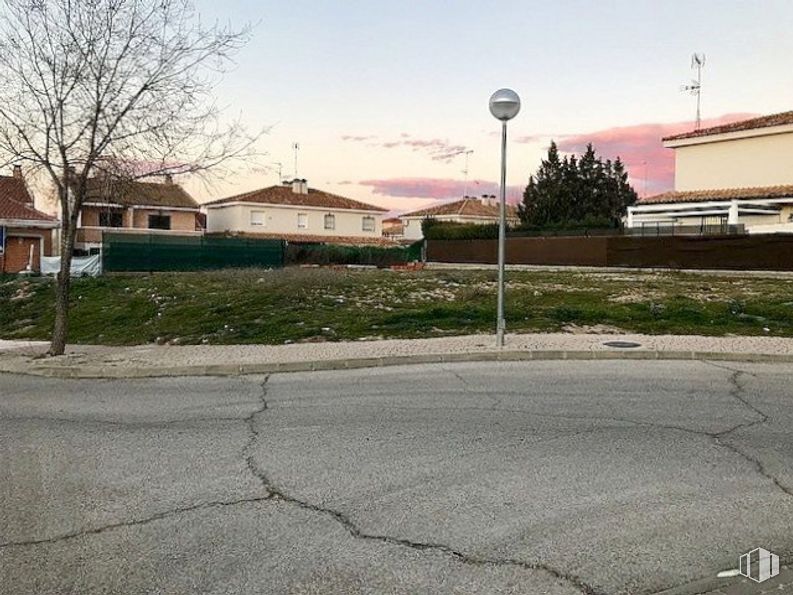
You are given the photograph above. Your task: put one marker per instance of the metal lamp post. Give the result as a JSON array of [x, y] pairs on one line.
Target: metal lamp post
[[504, 105]]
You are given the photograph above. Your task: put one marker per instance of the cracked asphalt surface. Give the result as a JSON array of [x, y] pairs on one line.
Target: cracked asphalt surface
[[528, 477]]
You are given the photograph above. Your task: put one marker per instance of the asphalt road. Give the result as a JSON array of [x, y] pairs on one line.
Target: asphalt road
[[533, 477]]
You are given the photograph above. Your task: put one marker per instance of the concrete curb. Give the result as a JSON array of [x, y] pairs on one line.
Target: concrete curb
[[110, 371]]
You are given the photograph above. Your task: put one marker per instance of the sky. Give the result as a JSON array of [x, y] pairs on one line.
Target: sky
[[384, 96]]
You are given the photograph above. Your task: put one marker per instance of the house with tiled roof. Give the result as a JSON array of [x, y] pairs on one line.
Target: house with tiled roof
[[734, 176], [26, 234], [468, 210], [136, 207], [296, 213]]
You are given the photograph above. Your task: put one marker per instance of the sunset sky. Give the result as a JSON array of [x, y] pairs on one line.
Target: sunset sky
[[381, 95]]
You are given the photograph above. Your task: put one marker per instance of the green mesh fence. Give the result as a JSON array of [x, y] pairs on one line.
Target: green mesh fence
[[150, 253]]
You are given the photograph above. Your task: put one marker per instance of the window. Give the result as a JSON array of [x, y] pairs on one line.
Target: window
[[330, 221], [258, 218], [367, 223], [111, 219], [302, 220], [159, 222]]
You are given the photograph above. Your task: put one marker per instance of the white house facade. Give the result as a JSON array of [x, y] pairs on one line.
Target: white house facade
[[735, 174], [293, 211], [468, 210]]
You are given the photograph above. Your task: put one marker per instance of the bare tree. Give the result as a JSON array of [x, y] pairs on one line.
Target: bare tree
[[88, 86]]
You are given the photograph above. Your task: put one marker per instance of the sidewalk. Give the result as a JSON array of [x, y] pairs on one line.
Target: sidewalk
[[84, 361]]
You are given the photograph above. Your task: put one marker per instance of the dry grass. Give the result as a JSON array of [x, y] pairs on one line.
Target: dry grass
[[321, 304]]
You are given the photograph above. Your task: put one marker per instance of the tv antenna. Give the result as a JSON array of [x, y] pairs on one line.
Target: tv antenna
[[695, 88], [467, 154], [277, 166], [296, 147]]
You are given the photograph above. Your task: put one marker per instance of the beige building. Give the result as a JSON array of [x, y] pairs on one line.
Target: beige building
[[135, 207], [297, 213], [468, 210], [736, 174]]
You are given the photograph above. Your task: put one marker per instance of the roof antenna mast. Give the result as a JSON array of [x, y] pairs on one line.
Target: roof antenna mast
[[695, 88], [465, 172], [296, 147]]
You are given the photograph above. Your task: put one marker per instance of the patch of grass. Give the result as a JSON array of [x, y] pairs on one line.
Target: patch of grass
[[296, 304]]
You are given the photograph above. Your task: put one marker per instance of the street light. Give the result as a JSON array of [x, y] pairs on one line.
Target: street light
[[504, 105]]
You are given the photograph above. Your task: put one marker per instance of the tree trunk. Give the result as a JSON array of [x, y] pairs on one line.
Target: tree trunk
[[60, 330]]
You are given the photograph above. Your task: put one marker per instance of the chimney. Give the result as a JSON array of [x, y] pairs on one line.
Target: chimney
[[299, 186], [18, 172], [168, 178]]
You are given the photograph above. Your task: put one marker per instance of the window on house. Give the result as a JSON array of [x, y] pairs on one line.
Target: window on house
[[330, 221], [257, 218], [159, 222], [367, 223], [302, 220], [111, 219]]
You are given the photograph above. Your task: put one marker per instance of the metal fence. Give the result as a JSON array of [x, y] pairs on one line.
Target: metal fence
[[160, 253], [673, 229]]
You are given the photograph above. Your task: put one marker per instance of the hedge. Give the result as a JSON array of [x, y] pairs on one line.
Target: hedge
[[489, 231], [361, 255]]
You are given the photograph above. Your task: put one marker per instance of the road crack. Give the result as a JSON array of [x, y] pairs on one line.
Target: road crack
[[136, 522], [253, 432], [738, 392], [355, 532], [352, 529]]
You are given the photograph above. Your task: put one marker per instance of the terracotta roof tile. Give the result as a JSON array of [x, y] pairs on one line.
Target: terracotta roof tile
[[780, 119], [720, 194], [137, 193], [283, 195], [467, 207], [17, 203]]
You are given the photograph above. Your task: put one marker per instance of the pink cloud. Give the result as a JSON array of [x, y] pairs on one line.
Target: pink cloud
[[437, 188], [650, 165], [534, 138], [357, 138], [438, 149]]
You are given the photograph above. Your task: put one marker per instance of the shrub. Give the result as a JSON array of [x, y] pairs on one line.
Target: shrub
[[361, 255], [489, 231], [461, 231]]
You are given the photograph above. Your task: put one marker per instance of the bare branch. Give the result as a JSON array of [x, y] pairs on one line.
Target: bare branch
[[92, 84]]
